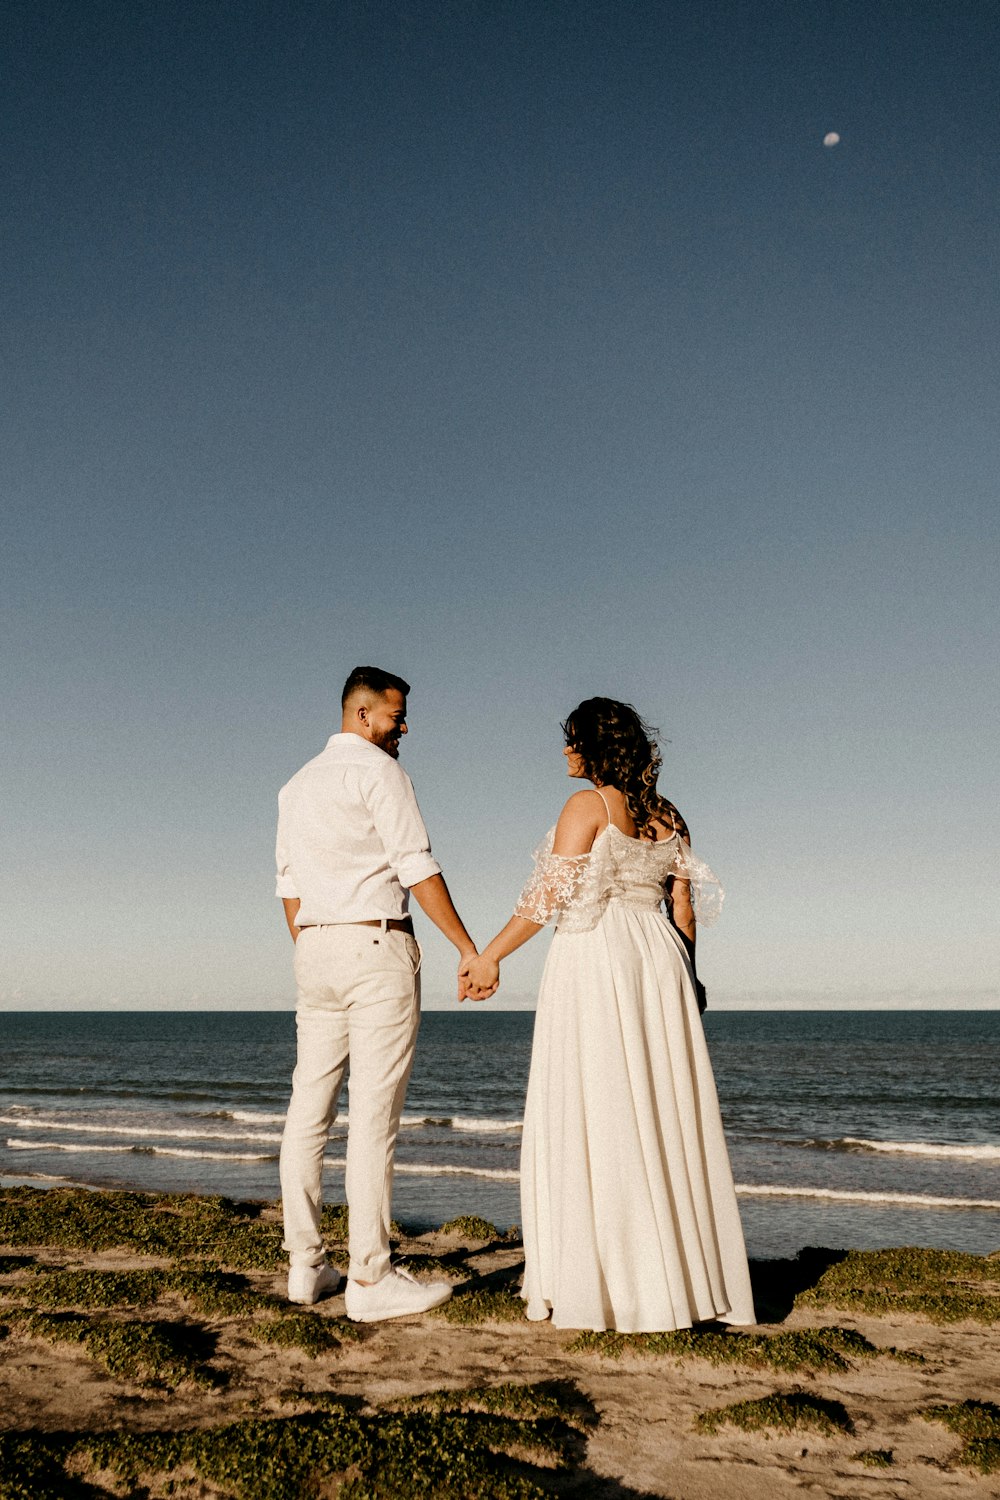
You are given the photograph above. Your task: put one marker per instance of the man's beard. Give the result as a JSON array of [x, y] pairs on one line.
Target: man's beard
[[387, 741]]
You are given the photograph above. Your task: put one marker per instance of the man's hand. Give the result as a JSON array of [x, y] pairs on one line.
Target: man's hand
[[478, 977], [291, 905], [434, 899], [464, 960]]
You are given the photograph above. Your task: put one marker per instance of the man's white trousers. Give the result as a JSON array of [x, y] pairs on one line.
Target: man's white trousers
[[358, 999]]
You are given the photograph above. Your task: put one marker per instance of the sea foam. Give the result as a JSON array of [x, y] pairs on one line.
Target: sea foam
[[921, 1148], [142, 1132], [81, 1147], [858, 1195]]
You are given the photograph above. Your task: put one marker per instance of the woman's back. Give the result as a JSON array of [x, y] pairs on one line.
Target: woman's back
[[619, 817], [634, 869]]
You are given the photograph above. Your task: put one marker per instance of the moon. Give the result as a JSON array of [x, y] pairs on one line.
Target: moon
[[831, 138]]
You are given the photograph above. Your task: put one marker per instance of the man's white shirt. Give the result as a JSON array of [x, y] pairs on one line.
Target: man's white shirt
[[351, 840]]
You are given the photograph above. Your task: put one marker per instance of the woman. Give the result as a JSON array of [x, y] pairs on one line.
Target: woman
[[629, 1212]]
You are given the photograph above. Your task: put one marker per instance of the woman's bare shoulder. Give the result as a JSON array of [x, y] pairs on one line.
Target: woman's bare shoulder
[[579, 824], [582, 808]]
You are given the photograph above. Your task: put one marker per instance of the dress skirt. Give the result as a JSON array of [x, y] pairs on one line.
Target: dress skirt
[[628, 1206]]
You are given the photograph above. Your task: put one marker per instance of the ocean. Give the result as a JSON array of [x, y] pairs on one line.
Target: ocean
[[846, 1128]]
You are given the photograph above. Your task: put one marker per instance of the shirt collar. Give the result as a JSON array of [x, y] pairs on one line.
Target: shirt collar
[[347, 741]]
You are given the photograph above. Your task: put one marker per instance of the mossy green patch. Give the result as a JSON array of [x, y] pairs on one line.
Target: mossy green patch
[[968, 1418], [306, 1331], [386, 1455], [506, 1442], [265, 1459], [781, 1411], [449, 1265], [546, 1400], [334, 1222], [485, 1305], [221, 1294], [320, 1400], [796, 1349], [94, 1289], [471, 1227], [875, 1458], [213, 1292], [982, 1454], [944, 1285], [382, 1458], [174, 1226], [978, 1425], [31, 1468], [147, 1352]]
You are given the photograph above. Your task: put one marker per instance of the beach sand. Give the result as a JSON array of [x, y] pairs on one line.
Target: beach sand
[[233, 1393]]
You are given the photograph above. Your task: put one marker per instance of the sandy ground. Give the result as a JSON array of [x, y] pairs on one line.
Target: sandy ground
[[643, 1443]]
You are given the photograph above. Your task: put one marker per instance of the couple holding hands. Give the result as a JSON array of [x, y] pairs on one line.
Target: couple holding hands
[[629, 1212]]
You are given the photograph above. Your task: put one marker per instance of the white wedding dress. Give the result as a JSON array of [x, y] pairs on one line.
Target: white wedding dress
[[629, 1213]]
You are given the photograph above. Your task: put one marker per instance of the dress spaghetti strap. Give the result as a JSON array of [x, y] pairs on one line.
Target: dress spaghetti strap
[[605, 801]]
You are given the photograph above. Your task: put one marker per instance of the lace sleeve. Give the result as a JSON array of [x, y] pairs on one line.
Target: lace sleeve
[[707, 894], [553, 885]]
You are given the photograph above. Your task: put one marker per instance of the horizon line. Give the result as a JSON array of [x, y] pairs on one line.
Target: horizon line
[[454, 1008]]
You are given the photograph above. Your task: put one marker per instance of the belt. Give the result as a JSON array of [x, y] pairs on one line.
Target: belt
[[391, 924]]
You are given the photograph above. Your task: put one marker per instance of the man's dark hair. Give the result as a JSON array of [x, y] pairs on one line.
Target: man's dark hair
[[375, 680]]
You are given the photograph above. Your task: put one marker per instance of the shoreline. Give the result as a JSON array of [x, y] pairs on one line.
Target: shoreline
[[133, 1317], [779, 1220], [884, 1106]]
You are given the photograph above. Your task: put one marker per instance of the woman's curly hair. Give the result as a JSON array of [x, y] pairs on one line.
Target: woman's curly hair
[[619, 749]]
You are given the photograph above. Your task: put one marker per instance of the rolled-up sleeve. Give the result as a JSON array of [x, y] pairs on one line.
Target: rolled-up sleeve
[[285, 884], [393, 806]]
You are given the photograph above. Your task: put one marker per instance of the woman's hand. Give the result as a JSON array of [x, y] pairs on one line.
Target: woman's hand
[[479, 976]]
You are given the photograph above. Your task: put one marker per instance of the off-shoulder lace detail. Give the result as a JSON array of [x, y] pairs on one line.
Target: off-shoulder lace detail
[[554, 884], [707, 894], [576, 888]]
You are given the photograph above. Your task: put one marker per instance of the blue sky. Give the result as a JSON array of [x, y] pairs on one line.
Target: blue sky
[[531, 352]]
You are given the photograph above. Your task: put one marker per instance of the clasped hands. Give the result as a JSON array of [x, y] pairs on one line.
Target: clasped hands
[[478, 977]]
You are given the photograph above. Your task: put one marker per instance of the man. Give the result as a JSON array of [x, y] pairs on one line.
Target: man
[[351, 845]]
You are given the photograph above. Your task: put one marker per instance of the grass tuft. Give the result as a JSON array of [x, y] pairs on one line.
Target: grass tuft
[[944, 1285], [319, 1400], [387, 1455], [221, 1293], [875, 1458], [93, 1289], [545, 1401], [471, 1227], [306, 1331], [334, 1222], [213, 1292], [487, 1305], [781, 1411], [796, 1349], [978, 1425], [31, 1468], [149, 1353], [178, 1226]]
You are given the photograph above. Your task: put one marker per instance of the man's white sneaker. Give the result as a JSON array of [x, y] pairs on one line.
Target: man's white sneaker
[[309, 1283], [397, 1295]]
